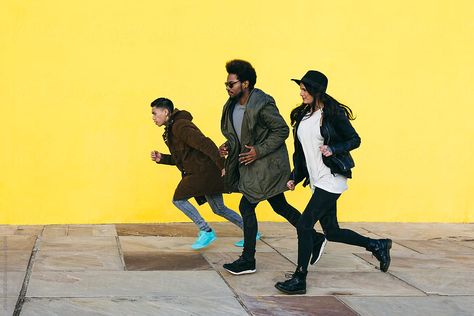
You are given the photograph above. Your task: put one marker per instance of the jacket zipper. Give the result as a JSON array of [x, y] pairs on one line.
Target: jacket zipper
[[344, 168]]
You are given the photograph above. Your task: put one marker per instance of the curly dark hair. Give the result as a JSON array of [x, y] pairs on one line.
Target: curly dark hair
[[163, 103], [244, 71]]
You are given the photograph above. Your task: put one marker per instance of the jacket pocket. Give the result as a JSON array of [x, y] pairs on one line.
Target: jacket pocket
[[340, 163]]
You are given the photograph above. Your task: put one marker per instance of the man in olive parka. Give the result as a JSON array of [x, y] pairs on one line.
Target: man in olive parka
[[257, 163]]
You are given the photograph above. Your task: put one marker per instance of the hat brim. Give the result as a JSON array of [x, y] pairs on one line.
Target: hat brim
[[298, 81]]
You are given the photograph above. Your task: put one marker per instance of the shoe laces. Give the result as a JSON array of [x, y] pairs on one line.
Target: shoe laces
[[289, 274]]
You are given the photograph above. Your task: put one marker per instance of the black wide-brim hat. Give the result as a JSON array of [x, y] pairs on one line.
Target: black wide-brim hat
[[315, 79]]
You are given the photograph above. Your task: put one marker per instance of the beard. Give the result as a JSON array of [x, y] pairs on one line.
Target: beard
[[236, 96]]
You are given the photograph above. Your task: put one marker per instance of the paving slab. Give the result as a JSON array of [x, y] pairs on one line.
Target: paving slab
[[289, 245], [7, 306], [91, 230], [152, 261], [7, 230], [55, 231], [14, 260], [421, 231], [76, 260], [29, 230], [22, 243], [182, 244], [132, 306], [128, 283], [402, 262], [412, 306], [439, 281], [324, 283], [103, 245], [437, 247], [296, 306], [11, 283], [266, 261], [224, 229], [335, 262], [277, 229]]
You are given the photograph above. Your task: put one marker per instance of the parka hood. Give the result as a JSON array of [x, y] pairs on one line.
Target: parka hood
[[181, 115]]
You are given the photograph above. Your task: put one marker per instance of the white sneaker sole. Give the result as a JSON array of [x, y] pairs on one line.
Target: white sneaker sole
[[242, 272], [197, 248], [321, 250]]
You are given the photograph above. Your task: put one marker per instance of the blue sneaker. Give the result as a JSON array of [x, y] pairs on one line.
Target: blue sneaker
[[240, 243], [204, 239]]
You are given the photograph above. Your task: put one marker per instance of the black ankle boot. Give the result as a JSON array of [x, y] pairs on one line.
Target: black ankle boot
[[380, 248], [295, 285]]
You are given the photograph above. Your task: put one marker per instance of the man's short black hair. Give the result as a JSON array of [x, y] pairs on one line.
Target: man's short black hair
[[163, 103], [244, 71]]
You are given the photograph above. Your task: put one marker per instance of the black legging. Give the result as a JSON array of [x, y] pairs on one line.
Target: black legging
[[280, 206], [322, 207]]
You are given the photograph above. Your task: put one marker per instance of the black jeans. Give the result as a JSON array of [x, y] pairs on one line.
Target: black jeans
[[322, 207], [281, 207]]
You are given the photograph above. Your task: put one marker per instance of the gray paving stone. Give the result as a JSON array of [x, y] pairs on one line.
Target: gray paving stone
[[437, 247], [284, 245], [402, 262], [14, 260], [182, 244], [103, 245], [324, 283], [132, 306], [222, 229], [77, 261], [336, 262], [23, 243], [128, 283], [439, 281], [412, 306], [420, 231], [8, 230], [91, 230], [277, 229], [55, 231], [7, 306], [11, 283], [266, 261]]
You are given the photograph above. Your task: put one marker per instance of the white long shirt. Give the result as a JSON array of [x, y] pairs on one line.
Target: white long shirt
[[320, 176]]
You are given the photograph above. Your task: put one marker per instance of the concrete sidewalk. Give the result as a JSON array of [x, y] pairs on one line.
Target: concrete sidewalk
[[150, 269]]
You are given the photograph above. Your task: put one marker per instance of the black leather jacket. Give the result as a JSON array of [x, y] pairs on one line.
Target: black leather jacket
[[339, 135]]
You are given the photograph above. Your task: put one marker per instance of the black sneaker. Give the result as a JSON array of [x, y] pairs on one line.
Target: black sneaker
[[241, 266], [318, 249]]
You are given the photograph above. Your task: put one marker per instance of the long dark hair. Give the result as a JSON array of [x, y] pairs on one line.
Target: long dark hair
[[331, 106]]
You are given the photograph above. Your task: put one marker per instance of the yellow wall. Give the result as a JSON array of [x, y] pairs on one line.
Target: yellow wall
[[77, 77]]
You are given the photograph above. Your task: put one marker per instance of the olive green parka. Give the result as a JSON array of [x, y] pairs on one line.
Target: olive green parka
[[264, 128]]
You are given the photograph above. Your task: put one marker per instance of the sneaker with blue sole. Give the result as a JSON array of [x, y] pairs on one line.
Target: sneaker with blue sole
[[204, 239], [240, 243]]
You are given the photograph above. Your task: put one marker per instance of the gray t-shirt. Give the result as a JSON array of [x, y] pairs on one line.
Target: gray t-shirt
[[238, 117]]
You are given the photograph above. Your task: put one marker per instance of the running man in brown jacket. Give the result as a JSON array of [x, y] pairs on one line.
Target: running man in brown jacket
[[201, 166]]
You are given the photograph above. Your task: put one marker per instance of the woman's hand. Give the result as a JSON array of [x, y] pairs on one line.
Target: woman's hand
[[325, 150], [223, 172], [155, 156], [291, 185]]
